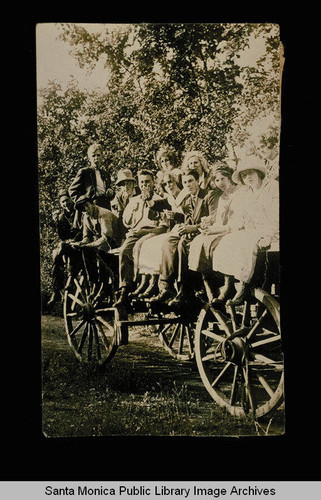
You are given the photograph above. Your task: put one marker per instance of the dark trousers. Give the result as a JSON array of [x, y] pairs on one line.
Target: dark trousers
[[175, 260], [64, 258], [126, 261]]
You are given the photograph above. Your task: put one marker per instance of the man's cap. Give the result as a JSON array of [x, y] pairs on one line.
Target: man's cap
[[124, 175]]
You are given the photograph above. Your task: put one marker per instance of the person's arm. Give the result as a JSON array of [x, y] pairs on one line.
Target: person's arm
[[130, 213], [76, 187], [150, 230], [212, 201], [86, 235], [272, 226]]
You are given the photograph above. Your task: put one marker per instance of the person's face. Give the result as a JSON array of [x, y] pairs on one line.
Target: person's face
[[190, 183], [170, 186], [66, 204], [194, 163], [145, 183], [95, 157], [165, 163], [88, 208], [127, 187], [251, 178], [222, 182]]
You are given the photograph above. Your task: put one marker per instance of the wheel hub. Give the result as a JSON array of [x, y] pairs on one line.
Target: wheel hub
[[88, 311], [233, 350]]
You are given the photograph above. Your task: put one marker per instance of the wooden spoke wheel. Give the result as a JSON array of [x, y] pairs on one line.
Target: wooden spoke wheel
[[90, 321], [239, 355], [178, 338]]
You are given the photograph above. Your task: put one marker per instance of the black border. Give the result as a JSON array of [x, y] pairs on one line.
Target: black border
[[28, 455]]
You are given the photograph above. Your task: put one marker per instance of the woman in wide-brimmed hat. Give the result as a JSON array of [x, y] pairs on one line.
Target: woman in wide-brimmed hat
[[255, 225]]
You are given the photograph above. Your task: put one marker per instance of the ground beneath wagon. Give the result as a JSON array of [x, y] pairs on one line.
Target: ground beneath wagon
[[141, 391]]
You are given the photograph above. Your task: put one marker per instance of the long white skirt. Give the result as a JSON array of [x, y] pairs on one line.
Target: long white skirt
[[149, 255], [236, 254]]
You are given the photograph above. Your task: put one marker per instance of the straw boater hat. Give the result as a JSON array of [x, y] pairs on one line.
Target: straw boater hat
[[249, 163], [124, 175]]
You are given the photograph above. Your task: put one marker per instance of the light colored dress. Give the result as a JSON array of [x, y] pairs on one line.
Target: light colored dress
[[257, 216], [202, 247]]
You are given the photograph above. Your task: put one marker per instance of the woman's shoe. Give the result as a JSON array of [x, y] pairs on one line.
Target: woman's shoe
[[163, 296], [142, 286], [240, 296], [226, 291], [152, 288]]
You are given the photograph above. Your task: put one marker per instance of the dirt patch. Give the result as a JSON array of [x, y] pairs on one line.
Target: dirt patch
[[141, 391]]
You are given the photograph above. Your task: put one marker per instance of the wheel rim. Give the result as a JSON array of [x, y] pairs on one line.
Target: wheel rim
[[239, 356], [89, 322]]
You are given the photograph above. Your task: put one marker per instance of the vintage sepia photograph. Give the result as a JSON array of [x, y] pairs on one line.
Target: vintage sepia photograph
[[158, 148]]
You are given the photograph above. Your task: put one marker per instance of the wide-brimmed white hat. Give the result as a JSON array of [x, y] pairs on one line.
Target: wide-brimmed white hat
[[248, 163]]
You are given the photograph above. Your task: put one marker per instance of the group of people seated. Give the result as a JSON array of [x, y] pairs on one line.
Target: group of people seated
[[187, 227]]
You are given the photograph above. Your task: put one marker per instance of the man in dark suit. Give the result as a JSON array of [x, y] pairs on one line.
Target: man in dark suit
[[63, 221], [199, 203], [93, 182], [101, 233]]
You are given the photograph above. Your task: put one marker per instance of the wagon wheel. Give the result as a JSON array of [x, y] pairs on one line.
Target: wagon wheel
[[90, 322], [239, 355], [178, 338]]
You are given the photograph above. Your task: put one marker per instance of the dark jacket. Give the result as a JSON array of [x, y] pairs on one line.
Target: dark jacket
[[85, 183], [206, 205]]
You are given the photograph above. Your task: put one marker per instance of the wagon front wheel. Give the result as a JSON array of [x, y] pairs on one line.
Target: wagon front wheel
[[239, 356], [89, 322]]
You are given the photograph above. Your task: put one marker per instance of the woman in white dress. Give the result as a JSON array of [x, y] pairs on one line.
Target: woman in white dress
[[254, 226], [214, 228], [148, 254]]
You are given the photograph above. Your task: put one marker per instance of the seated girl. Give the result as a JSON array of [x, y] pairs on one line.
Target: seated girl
[[253, 224], [214, 228], [258, 227]]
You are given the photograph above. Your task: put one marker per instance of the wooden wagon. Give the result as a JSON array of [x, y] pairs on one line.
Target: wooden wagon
[[237, 349]]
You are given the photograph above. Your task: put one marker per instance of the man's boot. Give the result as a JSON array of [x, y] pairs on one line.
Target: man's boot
[[151, 289], [181, 298], [166, 292], [123, 297]]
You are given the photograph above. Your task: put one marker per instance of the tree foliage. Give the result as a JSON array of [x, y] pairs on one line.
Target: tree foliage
[[180, 85]]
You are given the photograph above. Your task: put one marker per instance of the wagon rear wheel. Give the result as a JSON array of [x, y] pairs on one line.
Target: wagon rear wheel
[[239, 355], [178, 338], [90, 320]]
